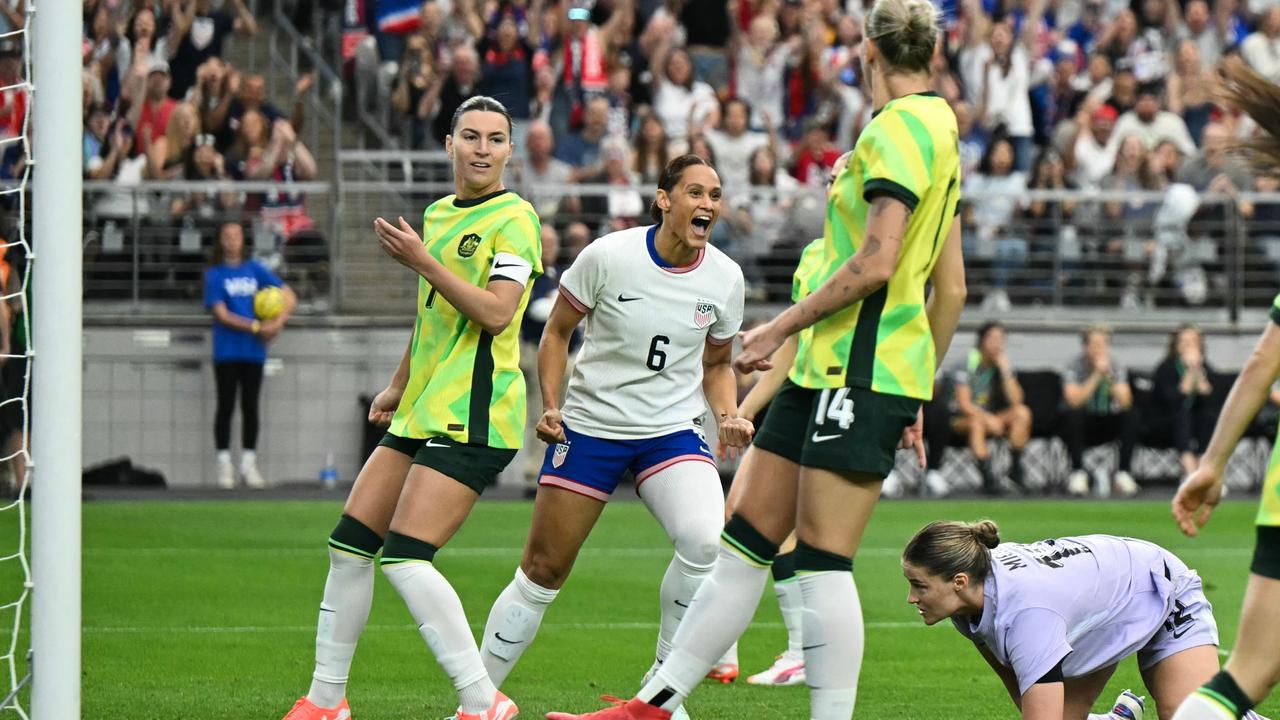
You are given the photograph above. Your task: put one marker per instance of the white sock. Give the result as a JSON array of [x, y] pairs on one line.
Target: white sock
[[512, 623], [224, 457], [730, 656], [688, 502], [720, 612], [791, 604], [344, 610], [248, 459], [436, 608], [833, 638], [1199, 707]]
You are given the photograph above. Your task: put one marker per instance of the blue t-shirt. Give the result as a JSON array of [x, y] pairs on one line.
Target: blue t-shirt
[[235, 287]]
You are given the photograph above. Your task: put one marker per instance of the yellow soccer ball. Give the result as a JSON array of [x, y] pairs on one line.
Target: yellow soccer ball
[[268, 303]]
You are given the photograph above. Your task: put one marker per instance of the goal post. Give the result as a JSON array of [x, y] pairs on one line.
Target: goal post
[[55, 128]]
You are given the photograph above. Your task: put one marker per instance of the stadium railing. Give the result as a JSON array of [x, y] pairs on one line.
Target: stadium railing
[[146, 245]]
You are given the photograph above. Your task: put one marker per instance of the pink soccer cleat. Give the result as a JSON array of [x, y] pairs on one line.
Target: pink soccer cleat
[[787, 669], [502, 709], [619, 710], [304, 709]]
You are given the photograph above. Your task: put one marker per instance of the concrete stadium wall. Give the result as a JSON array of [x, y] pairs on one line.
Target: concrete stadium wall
[[149, 392]]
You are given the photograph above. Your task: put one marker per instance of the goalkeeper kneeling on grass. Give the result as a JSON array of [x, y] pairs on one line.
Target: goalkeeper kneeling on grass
[[241, 330], [1054, 618]]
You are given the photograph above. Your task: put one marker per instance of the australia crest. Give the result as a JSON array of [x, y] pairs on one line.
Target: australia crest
[[468, 244], [704, 313]]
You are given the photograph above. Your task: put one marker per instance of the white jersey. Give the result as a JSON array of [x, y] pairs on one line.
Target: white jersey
[[1087, 602], [639, 371]]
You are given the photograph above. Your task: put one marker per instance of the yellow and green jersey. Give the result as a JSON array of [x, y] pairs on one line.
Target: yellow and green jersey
[[909, 151], [465, 383], [810, 260], [1269, 507]]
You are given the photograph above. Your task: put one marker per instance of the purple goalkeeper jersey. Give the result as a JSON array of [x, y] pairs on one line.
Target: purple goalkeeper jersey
[[1086, 601]]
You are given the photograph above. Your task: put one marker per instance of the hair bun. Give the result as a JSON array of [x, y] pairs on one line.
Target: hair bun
[[986, 532], [906, 31]]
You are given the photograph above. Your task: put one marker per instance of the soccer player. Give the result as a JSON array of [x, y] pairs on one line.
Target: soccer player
[[1254, 666], [1053, 618], [239, 348], [788, 667], [662, 307], [456, 412], [866, 356]]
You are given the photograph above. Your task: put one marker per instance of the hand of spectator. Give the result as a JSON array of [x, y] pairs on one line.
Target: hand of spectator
[[913, 438], [233, 81], [401, 243], [145, 134], [1196, 499], [282, 132], [1192, 358], [119, 139], [550, 429], [142, 55], [304, 84], [1002, 364], [1101, 365], [735, 434], [384, 405]]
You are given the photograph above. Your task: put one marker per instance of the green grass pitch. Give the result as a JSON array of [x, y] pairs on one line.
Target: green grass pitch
[[199, 610]]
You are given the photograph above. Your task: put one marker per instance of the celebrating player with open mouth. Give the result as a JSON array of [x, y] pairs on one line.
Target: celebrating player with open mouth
[[867, 352], [1053, 618], [1254, 666], [662, 307], [456, 408]]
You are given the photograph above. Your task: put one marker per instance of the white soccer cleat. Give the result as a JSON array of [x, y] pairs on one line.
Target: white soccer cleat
[[226, 476], [787, 669], [893, 486], [935, 483], [253, 478], [1129, 706], [1078, 483], [1125, 485]]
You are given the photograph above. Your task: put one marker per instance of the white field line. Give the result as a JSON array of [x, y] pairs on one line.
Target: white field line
[[319, 550]]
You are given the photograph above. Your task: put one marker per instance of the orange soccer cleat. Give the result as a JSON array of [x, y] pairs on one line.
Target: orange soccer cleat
[[724, 673], [502, 709], [304, 709], [618, 710]]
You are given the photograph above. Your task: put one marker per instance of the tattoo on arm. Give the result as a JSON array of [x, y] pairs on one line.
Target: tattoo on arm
[[870, 247]]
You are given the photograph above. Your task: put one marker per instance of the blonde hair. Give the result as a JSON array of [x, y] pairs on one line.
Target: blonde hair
[[947, 548], [905, 31]]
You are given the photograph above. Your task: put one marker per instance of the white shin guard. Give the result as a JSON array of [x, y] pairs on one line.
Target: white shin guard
[[513, 623], [344, 611]]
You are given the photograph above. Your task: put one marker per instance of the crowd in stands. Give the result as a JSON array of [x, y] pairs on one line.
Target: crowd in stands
[[1107, 95], [162, 103]]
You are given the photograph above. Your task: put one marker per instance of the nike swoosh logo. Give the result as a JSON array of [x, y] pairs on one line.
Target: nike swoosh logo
[[627, 299], [823, 438], [433, 443], [680, 603], [813, 647], [502, 265], [509, 642], [1177, 635]]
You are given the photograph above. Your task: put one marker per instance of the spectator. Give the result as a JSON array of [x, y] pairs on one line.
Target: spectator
[[13, 99], [679, 100], [584, 61], [1190, 90], [1091, 25], [205, 163], [650, 149], [1099, 409], [197, 32], [1124, 88], [707, 31], [576, 237], [1133, 172], [619, 97], [250, 93], [1262, 48], [102, 154], [543, 179], [104, 58], [621, 206], [239, 348], [460, 84], [1093, 155], [1202, 28], [973, 138], [1051, 225], [1153, 125], [1181, 412], [581, 150], [989, 400], [814, 156], [417, 86], [213, 95], [758, 72], [1213, 169], [997, 187], [507, 67], [150, 118], [170, 154], [763, 219], [997, 74], [734, 145], [142, 47]]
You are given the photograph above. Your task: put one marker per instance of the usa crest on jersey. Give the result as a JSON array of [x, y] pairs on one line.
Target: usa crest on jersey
[[704, 313], [561, 452]]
